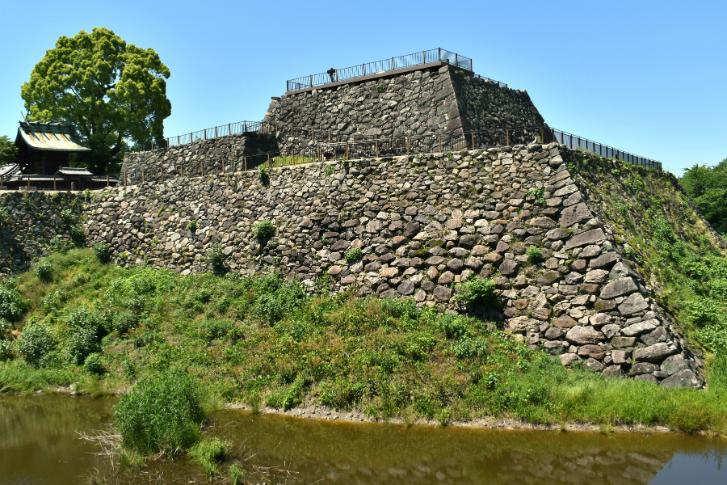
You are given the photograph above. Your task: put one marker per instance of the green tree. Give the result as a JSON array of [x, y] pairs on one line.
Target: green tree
[[8, 150], [112, 92], [707, 187]]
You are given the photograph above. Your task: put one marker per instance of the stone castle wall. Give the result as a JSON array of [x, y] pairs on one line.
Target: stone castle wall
[[424, 224], [439, 100], [445, 101], [217, 155], [502, 116]]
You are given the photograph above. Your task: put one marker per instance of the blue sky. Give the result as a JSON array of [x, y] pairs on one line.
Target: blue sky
[[648, 77]]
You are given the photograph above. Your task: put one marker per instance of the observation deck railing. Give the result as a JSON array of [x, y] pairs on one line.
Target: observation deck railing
[[383, 66]]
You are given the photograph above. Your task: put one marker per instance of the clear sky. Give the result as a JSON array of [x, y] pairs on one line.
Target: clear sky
[[645, 76]]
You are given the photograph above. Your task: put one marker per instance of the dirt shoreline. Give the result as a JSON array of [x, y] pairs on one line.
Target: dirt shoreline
[[505, 424]]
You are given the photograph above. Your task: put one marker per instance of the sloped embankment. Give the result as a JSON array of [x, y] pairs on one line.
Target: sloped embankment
[[682, 259]]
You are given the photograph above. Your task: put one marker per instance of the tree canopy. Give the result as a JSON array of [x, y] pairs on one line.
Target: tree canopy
[[8, 150], [707, 187], [112, 92]]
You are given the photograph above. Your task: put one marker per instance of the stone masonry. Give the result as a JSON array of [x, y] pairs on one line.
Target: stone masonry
[[439, 100], [443, 102], [224, 154], [424, 224]]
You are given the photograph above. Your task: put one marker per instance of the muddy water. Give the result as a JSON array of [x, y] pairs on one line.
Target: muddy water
[[39, 444]]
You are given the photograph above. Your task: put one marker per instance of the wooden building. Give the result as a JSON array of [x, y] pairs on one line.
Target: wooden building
[[45, 154]]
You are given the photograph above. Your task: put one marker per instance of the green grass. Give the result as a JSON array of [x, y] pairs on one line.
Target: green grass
[[263, 340], [286, 160], [208, 453]]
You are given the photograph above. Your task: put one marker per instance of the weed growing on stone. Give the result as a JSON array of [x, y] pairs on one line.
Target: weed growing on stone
[[534, 255], [353, 255], [102, 252], [264, 231]]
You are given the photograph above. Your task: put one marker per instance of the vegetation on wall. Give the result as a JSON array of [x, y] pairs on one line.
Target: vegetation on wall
[[707, 187], [681, 259], [112, 92], [263, 341]]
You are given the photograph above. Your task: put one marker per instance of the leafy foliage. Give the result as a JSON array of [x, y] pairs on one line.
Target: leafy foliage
[[161, 413], [707, 187], [8, 150], [35, 343], [112, 92], [12, 305]]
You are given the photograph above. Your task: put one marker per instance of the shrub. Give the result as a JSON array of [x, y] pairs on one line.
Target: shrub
[[216, 260], [453, 326], [277, 300], [534, 254], [262, 175], [161, 413], [354, 255], [77, 236], [5, 328], [94, 364], [84, 336], [209, 453], [264, 231], [192, 226], [124, 321], [35, 343], [4, 216], [12, 305], [477, 291], [82, 341], [44, 271], [102, 252]]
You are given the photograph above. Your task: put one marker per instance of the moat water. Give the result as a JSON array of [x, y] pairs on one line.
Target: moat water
[[40, 443]]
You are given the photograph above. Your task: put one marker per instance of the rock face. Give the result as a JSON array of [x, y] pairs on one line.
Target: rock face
[[436, 100]]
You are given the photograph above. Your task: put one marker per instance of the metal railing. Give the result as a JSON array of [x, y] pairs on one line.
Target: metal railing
[[239, 128], [334, 75], [575, 142]]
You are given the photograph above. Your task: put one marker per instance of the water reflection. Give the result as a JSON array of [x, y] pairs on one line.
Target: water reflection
[[39, 444]]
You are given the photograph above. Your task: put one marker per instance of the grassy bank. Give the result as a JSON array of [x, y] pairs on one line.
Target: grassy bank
[[263, 341]]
